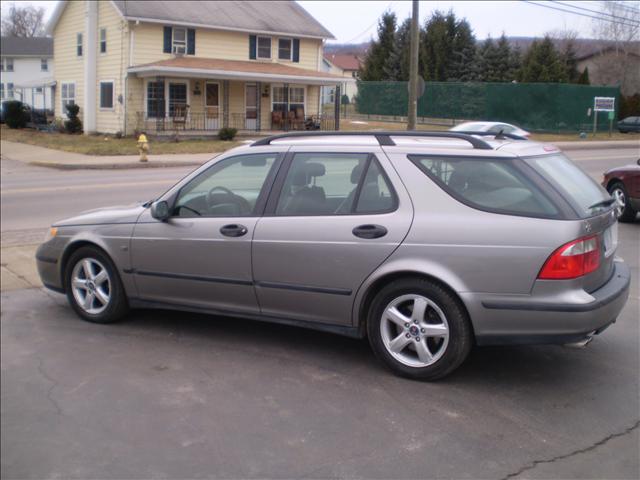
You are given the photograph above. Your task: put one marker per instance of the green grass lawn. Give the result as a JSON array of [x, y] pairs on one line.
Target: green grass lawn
[[108, 145]]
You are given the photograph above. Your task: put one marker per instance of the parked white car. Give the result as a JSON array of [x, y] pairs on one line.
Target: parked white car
[[490, 127]]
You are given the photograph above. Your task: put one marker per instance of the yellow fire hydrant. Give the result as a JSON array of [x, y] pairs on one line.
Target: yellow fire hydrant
[[143, 147]]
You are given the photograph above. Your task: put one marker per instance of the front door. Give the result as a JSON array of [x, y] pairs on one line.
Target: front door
[[334, 220], [212, 106], [251, 106], [201, 256]]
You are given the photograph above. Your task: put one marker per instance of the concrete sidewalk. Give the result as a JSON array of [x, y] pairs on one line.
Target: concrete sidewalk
[[46, 157]]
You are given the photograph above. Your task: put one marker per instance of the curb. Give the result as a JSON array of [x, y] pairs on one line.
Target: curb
[[113, 166]]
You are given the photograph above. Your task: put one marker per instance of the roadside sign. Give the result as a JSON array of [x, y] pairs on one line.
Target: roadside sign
[[604, 104], [611, 115]]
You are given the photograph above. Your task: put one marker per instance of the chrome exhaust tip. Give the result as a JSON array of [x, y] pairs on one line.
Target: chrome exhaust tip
[[581, 343]]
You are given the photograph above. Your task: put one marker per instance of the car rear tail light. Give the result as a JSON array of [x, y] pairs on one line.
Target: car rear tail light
[[572, 260]]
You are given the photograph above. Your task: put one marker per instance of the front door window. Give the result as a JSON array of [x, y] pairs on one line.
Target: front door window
[[251, 106], [212, 105]]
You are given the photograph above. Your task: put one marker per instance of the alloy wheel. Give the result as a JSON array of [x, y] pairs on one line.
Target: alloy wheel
[[620, 200], [91, 286], [414, 330]]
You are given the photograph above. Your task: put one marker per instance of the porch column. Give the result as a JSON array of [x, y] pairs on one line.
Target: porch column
[[286, 107], [336, 108], [162, 106], [258, 101], [225, 103]]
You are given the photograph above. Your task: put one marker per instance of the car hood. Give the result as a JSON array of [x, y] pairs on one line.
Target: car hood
[[625, 168], [99, 216]]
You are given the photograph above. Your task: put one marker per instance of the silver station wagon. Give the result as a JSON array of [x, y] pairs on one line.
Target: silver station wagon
[[426, 243]]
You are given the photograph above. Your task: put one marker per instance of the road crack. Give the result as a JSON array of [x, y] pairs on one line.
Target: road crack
[[54, 384], [21, 277], [599, 443]]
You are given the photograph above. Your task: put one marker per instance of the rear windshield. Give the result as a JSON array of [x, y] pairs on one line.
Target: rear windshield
[[469, 127], [494, 185], [579, 189]]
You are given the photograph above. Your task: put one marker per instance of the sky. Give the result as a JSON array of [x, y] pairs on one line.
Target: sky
[[356, 21]]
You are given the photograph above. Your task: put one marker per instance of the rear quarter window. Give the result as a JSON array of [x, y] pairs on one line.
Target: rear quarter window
[[493, 185]]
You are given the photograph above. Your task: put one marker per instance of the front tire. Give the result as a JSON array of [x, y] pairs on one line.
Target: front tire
[[419, 329], [93, 287], [624, 211]]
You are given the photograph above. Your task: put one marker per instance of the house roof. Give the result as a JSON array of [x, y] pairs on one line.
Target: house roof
[[343, 61], [26, 47], [272, 17], [234, 69]]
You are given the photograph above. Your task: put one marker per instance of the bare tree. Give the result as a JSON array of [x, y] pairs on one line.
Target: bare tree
[[618, 27], [27, 21]]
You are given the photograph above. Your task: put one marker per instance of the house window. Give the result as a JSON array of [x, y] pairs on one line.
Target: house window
[[179, 40], [106, 95], [9, 67], [67, 95], [2, 91], [296, 99], [9, 90], [44, 65], [264, 47], [103, 40], [155, 99], [284, 49], [39, 90], [177, 99], [79, 45]]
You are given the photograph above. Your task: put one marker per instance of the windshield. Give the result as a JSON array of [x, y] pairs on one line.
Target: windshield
[[579, 189], [469, 127]]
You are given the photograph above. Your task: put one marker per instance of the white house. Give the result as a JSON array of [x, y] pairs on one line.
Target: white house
[[26, 72]]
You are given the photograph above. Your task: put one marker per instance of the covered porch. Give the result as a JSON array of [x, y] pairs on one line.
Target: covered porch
[[200, 96]]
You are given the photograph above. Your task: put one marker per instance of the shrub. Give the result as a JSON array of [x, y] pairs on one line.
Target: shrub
[[73, 123], [15, 114], [344, 100], [227, 133]]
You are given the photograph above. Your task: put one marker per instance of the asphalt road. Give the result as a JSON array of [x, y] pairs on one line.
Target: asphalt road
[[174, 395]]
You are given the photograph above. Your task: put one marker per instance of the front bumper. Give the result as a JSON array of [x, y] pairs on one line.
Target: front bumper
[[48, 260], [528, 320]]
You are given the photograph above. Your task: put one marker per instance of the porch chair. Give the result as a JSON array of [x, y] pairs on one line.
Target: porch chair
[[180, 114], [276, 120]]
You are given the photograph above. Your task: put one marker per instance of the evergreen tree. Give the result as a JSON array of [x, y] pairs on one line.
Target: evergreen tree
[[570, 61], [464, 49], [380, 49], [503, 60], [583, 79], [515, 64], [487, 62], [437, 46], [542, 63], [403, 49]]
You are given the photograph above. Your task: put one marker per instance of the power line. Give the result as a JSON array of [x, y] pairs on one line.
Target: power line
[[370, 26], [624, 19], [582, 14]]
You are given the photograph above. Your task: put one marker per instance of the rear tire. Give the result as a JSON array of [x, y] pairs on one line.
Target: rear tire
[[419, 329], [93, 286], [624, 211]]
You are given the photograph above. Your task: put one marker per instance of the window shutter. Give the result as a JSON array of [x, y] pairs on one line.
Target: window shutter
[[296, 50], [167, 40], [253, 45], [191, 42]]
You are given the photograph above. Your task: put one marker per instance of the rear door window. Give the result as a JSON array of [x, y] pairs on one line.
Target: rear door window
[[494, 185]]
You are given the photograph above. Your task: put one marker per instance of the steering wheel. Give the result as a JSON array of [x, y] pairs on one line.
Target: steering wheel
[[243, 205]]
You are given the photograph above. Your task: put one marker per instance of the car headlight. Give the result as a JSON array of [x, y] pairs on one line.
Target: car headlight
[[53, 231]]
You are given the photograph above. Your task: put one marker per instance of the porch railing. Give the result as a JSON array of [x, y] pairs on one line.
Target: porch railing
[[206, 122]]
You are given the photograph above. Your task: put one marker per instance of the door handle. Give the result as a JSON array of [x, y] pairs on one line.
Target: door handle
[[233, 230], [369, 231]]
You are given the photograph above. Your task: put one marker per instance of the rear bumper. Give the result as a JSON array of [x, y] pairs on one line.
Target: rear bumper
[[500, 320]]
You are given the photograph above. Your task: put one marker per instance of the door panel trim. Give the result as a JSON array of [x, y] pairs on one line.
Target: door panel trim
[[199, 278], [304, 288]]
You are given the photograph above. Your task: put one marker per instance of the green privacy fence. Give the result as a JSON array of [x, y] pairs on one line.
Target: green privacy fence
[[551, 107]]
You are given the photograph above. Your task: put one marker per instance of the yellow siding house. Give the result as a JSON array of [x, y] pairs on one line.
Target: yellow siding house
[[190, 66]]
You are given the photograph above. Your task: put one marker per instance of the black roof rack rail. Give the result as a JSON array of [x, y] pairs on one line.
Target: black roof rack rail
[[383, 137], [498, 136]]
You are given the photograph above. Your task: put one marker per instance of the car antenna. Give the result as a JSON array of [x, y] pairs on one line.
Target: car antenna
[[499, 135]]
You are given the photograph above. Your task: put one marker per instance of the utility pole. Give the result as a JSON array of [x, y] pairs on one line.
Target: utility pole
[[413, 71]]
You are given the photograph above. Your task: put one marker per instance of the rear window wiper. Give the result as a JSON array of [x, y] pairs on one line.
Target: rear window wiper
[[603, 203]]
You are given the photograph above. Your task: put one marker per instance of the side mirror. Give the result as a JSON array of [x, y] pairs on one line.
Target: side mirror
[[160, 210]]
